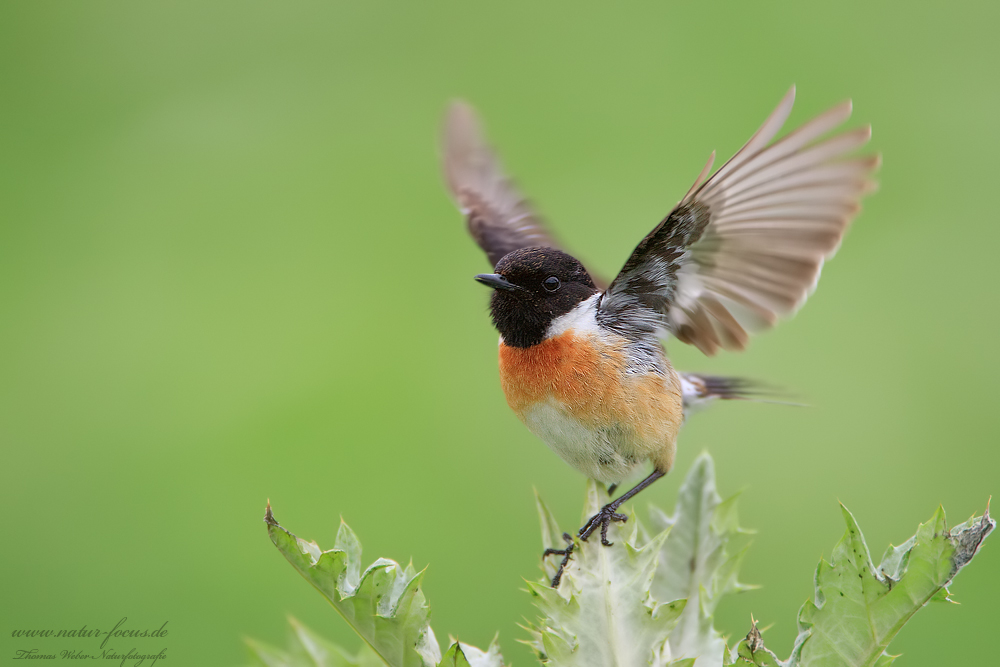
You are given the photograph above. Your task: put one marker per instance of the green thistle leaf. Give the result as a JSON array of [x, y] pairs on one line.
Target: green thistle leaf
[[384, 604], [603, 612], [700, 531], [752, 651], [464, 655], [859, 608]]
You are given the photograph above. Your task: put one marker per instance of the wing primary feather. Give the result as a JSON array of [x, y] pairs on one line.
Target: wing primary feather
[[701, 177], [787, 145], [761, 137], [498, 217]]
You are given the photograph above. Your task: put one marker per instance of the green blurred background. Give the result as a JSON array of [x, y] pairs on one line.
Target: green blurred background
[[229, 272]]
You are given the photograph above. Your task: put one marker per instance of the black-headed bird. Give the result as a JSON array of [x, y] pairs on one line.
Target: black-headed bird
[[584, 367]]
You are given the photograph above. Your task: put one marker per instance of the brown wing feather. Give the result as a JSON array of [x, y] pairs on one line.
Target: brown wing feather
[[777, 212], [498, 216], [762, 227]]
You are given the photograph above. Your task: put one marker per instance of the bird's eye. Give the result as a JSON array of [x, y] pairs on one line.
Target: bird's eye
[[551, 283]]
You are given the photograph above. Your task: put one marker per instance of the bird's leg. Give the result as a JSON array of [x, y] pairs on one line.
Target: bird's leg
[[565, 553], [610, 513], [611, 489], [603, 519]]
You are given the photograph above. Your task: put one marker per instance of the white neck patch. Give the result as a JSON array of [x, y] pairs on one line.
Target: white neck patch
[[582, 318]]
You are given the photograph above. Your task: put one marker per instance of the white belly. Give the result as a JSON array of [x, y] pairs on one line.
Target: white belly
[[608, 453]]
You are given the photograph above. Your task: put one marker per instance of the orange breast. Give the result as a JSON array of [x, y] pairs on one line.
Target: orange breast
[[565, 367], [587, 376]]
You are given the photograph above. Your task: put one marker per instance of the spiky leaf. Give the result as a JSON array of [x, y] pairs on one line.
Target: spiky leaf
[[603, 612], [383, 603], [700, 531], [751, 651], [858, 608], [464, 655]]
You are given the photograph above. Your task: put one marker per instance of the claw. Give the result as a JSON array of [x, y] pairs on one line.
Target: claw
[[565, 553], [603, 519]]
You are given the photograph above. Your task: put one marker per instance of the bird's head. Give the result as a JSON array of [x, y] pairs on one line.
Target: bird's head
[[531, 288]]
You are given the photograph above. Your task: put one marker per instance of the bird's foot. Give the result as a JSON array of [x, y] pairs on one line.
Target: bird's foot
[[565, 553], [603, 519]]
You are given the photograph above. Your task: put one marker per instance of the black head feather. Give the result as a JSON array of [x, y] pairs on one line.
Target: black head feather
[[538, 285]]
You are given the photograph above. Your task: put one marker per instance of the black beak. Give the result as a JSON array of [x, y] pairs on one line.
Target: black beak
[[496, 281]]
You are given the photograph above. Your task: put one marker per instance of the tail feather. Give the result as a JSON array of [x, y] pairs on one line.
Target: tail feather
[[699, 391]]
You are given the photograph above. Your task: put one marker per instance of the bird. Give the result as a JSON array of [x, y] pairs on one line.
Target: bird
[[583, 364]]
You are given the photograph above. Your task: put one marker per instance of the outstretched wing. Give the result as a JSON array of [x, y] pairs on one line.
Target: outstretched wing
[[745, 247], [499, 218]]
